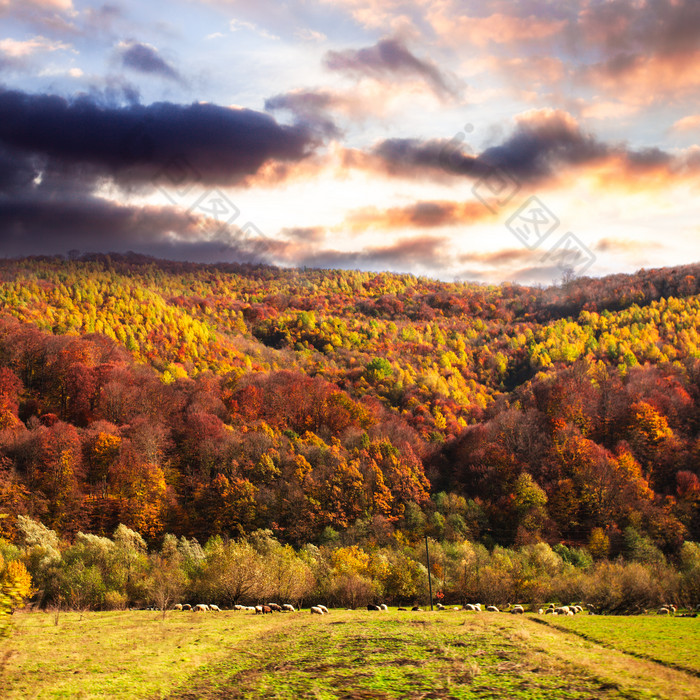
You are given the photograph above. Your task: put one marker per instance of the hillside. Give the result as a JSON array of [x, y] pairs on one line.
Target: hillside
[[205, 400]]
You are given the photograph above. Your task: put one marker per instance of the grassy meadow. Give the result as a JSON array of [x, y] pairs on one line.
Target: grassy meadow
[[347, 654]]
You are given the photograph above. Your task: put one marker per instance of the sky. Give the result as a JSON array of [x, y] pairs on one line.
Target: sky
[[474, 140]]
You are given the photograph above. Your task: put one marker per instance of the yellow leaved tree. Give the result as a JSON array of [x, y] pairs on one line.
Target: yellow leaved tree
[[15, 588]]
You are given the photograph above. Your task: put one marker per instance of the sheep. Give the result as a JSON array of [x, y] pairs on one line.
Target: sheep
[[383, 607], [470, 607], [324, 609], [440, 606], [372, 606], [562, 610], [239, 607], [187, 606], [663, 611], [287, 607], [517, 610], [316, 610], [177, 606], [266, 610], [415, 608], [274, 607], [258, 609], [477, 606], [540, 611], [202, 607], [492, 608], [214, 608]]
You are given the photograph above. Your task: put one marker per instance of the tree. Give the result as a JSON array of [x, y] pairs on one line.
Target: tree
[[166, 581]]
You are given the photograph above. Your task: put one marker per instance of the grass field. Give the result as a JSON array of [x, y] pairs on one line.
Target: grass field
[[342, 655], [672, 641]]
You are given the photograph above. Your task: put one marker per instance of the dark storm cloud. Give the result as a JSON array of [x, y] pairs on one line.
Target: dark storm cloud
[[33, 224], [146, 59], [543, 145], [132, 143], [388, 59]]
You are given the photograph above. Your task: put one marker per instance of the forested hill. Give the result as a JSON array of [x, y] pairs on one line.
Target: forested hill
[[206, 400]]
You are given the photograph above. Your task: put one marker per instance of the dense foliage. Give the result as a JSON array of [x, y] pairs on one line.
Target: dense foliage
[[95, 572], [219, 400]]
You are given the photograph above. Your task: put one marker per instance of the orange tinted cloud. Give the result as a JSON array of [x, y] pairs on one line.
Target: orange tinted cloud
[[418, 215], [451, 25], [689, 123]]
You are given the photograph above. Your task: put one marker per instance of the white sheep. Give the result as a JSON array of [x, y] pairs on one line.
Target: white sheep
[[517, 610], [492, 608], [214, 608], [177, 606], [383, 607], [201, 607], [288, 607], [324, 609], [316, 610], [238, 607]]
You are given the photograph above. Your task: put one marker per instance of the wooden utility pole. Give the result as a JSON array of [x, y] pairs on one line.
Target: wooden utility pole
[[430, 583]]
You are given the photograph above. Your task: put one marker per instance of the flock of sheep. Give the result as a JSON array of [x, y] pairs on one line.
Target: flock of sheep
[[269, 608]]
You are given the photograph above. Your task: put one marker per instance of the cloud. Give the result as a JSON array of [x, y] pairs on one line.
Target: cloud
[[425, 252], [388, 59], [450, 22], [618, 245], [145, 58], [17, 5], [36, 222], [14, 48], [545, 147], [419, 215], [689, 123], [237, 24], [309, 234], [136, 142], [501, 257], [311, 107]]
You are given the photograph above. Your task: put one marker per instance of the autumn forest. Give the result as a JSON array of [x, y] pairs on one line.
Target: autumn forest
[[345, 407]]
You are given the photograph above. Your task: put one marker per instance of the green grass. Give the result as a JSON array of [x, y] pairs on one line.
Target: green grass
[[674, 641], [342, 655]]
